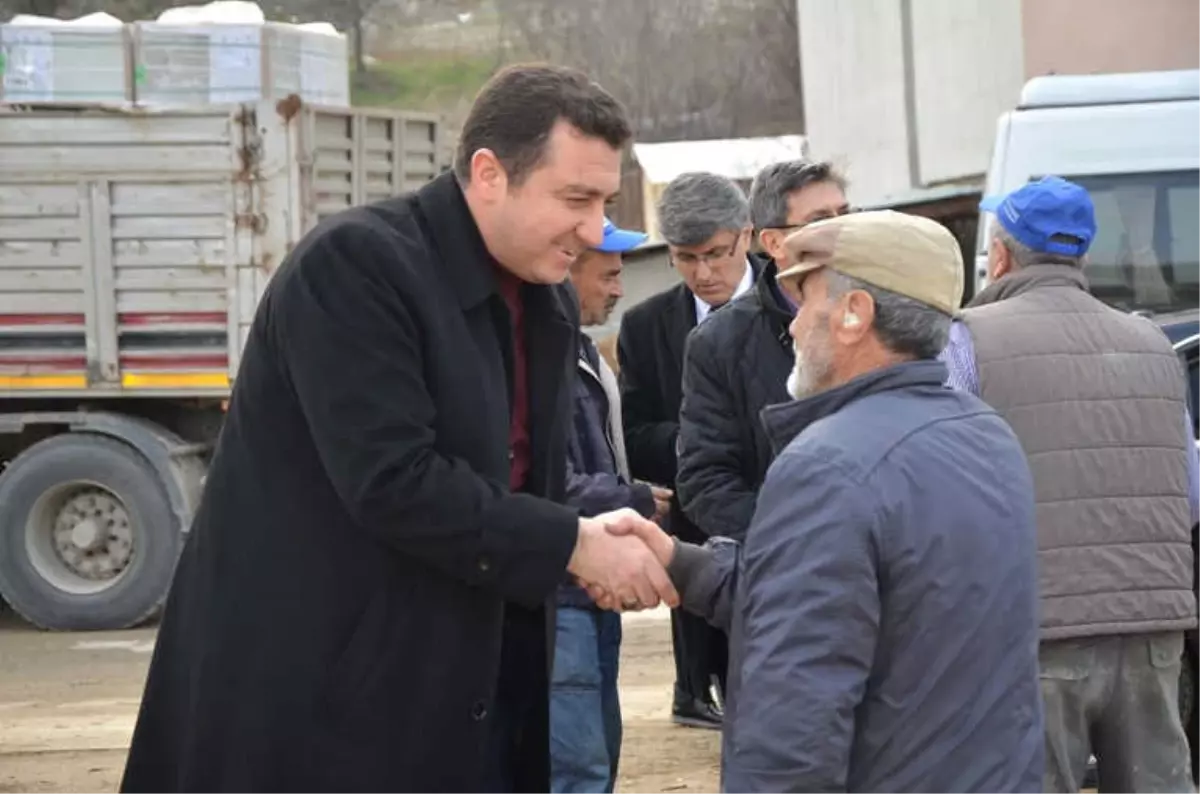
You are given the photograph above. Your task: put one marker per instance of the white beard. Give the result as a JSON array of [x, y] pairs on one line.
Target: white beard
[[794, 385], [808, 371]]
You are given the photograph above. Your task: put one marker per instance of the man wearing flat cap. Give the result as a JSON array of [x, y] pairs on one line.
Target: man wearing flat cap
[[883, 605]]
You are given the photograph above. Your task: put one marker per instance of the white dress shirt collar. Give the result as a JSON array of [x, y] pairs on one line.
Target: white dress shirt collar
[[702, 308]]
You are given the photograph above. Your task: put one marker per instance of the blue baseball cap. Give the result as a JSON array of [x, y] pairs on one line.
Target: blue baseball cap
[[618, 241], [1034, 213]]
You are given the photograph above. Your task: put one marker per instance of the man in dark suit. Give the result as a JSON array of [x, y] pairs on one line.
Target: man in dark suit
[[705, 220], [361, 604]]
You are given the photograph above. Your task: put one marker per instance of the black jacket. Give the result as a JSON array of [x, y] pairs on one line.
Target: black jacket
[[650, 349], [357, 560], [737, 363]]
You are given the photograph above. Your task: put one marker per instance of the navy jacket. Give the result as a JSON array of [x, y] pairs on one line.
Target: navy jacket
[[594, 484], [884, 605]]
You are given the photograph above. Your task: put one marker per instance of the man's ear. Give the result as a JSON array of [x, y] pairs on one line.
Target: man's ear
[[771, 241], [1000, 260], [488, 176], [857, 317]]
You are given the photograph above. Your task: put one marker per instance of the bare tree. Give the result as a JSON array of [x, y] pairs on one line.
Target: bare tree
[[127, 10], [348, 16], [683, 68], [775, 63]]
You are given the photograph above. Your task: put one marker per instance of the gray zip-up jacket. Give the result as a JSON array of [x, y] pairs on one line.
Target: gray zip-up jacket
[[883, 610]]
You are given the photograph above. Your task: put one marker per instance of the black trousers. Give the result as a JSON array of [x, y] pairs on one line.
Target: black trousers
[[701, 650], [701, 654]]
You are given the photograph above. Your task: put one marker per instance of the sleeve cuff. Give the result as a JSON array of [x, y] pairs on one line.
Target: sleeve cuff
[[686, 565], [643, 500]]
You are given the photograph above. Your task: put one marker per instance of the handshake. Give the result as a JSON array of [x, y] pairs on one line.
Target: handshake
[[621, 558]]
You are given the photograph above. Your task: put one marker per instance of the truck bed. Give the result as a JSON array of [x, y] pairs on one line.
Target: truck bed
[[135, 245]]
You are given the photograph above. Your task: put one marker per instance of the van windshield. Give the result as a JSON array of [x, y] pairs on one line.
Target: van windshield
[[1146, 254]]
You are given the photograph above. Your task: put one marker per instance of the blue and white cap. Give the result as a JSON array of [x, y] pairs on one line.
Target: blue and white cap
[[618, 241]]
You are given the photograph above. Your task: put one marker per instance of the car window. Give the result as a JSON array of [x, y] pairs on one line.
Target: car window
[[1189, 355], [1146, 254]]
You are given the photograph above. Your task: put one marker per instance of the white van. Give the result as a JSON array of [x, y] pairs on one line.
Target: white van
[[1133, 140]]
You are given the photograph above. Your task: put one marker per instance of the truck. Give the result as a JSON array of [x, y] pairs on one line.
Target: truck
[[134, 247]]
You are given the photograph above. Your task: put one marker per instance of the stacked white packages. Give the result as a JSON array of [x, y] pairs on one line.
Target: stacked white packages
[[227, 52], [75, 61], [222, 52]]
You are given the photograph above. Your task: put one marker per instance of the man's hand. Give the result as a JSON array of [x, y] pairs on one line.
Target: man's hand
[[611, 556], [662, 502], [659, 543]]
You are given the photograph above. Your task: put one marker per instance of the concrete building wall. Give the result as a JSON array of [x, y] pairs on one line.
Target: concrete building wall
[[852, 66], [966, 71], [904, 94], [1097, 36]]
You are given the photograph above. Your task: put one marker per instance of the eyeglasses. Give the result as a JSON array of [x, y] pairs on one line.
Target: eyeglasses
[[711, 257]]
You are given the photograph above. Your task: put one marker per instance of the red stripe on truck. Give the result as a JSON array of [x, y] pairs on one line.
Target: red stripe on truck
[[184, 361], [44, 363], [199, 361], [171, 318], [41, 319]]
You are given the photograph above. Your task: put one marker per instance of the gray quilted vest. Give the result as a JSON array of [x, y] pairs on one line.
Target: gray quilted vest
[[1097, 399]]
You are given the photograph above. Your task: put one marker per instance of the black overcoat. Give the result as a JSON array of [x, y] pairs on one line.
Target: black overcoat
[[338, 611]]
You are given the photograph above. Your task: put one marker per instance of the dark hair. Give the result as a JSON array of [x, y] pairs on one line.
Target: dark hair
[[519, 106], [772, 186]]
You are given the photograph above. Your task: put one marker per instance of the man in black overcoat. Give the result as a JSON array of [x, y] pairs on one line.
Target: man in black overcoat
[[361, 604]]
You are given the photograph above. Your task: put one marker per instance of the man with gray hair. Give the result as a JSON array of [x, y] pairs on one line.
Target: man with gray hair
[[883, 606], [737, 363], [705, 220], [1098, 399]]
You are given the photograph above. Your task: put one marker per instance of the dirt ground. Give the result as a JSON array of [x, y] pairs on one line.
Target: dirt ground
[[68, 703]]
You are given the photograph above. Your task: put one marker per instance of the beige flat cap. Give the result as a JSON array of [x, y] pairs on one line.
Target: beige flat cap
[[905, 254]]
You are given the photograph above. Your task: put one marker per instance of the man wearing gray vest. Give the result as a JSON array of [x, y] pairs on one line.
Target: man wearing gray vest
[[1097, 399]]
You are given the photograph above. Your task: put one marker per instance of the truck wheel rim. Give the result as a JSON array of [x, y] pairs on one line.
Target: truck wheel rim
[[79, 538]]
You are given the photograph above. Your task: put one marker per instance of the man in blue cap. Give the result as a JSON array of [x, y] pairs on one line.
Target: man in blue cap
[[585, 715], [1096, 397]]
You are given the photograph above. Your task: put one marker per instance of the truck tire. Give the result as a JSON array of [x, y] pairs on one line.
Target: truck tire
[[88, 540]]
